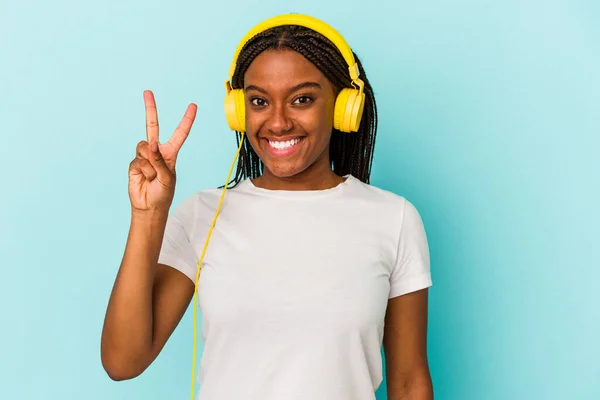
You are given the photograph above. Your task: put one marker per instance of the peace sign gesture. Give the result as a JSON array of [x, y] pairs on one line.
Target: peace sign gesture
[[152, 171]]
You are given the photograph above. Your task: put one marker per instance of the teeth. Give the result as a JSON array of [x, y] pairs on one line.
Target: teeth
[[284, 145]]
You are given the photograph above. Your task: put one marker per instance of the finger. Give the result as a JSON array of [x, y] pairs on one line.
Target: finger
[[184, 128], [157, 161], [143, 166], [141, 150], [151, 117]]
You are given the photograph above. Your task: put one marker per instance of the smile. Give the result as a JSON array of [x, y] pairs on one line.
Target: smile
[[280, 145], [283, 148]]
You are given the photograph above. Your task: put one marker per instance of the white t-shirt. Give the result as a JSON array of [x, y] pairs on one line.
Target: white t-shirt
[[294, 286]]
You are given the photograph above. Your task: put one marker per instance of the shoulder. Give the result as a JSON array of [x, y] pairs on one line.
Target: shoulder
[[377, 195], [395, 205], [205, 200]]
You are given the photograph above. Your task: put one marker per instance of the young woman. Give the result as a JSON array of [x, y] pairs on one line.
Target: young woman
[[309, 270]]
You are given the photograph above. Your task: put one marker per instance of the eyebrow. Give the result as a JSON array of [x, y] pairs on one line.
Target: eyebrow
[[303, 85]]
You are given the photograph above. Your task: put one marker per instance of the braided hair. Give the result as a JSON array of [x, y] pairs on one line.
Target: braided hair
[[350, 153]]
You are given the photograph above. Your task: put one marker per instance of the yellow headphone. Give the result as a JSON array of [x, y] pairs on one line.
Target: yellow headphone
[[349, 103], [348, 111]]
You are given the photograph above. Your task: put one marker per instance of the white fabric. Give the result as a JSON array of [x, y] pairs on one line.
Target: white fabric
[[294, 286]]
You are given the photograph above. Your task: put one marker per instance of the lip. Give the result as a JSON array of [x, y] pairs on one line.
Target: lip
[[284, 152]]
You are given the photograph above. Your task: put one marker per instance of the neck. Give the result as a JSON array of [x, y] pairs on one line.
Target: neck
[[306, 180]]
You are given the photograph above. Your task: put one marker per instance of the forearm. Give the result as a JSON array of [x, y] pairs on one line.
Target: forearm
[[127, 334]]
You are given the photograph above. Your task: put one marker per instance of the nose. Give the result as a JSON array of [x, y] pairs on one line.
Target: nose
[[278, 121]]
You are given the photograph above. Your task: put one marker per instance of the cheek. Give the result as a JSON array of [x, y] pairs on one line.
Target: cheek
[[253, 124], [251, 121], [318, 119], [328, 111], [323, 121]]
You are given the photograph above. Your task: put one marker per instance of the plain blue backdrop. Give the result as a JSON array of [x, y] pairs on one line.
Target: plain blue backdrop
[[489, 124]]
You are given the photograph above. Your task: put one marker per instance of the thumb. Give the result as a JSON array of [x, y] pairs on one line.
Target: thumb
[[157, 161]]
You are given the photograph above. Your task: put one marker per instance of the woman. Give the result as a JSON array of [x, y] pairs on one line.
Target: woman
[[309, 270]]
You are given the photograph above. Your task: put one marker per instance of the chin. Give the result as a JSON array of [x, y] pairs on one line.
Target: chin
[[280, 170]]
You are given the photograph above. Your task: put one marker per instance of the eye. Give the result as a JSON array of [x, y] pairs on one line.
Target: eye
[[303, 100], [257, 101]]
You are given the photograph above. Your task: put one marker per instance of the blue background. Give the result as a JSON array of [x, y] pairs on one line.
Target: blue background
[[489, 124]]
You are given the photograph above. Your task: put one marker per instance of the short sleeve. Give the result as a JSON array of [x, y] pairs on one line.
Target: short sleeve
[[177, 250], [411, 270]]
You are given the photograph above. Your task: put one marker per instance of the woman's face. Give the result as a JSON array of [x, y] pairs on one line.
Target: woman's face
[[289, 113]]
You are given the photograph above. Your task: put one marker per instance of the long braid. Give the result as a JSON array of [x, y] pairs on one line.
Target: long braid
[[350, 153]]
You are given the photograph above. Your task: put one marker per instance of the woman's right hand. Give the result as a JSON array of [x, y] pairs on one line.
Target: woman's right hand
[[152, 172]]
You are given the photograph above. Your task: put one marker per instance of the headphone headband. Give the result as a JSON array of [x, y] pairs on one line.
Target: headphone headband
[[308, 22]]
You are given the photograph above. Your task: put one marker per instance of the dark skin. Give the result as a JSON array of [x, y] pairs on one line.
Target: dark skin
[[149, 299], [288, 97], [405, 347]]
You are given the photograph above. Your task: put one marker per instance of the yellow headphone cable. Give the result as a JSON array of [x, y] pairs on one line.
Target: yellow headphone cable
[[212, 225]]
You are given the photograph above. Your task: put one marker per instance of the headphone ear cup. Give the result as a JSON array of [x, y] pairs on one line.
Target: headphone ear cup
[[340, 110], [355, 110], [349, 106], [235, 110]]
